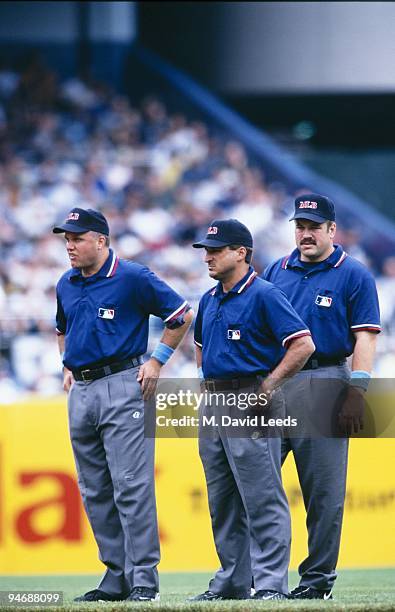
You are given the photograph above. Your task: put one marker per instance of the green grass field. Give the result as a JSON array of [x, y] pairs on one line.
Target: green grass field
[[356, 590]]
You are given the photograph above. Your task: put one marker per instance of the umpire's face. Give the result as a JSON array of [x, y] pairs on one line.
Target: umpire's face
[[223, 262], [84, 250], [314, 240]]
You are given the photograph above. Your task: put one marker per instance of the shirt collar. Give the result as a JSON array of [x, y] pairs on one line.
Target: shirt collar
[[241, 286], [334, 260], [108, 268]]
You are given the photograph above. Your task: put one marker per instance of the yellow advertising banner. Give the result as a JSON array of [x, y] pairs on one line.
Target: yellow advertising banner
[[43, 528]]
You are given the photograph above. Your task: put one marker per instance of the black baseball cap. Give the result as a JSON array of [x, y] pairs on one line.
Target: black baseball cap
[[225, 232], [80, 221], [314, 207]]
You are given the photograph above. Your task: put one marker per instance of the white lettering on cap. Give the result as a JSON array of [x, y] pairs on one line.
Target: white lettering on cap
[[73, 216], [212, 230], [308, 204]]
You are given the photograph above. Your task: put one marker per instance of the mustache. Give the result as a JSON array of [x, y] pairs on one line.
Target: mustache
[[308, 242]]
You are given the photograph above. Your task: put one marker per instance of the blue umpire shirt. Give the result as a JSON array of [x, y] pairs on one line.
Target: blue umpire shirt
[[105, 317], [242, 332], [335, 298]]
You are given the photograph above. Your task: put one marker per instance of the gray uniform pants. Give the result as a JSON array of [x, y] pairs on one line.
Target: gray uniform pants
[[245, 493], [321, 464], [115, 466]]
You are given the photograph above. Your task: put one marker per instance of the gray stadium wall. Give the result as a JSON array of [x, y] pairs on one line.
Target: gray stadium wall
[[67, 32]]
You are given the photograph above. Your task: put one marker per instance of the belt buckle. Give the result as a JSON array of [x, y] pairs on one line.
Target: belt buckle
[[83, 375], [210, 385]]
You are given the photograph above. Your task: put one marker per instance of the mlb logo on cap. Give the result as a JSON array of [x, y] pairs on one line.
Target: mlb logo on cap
[[224, 232], [234, 334], [314, 207], [308, 204]]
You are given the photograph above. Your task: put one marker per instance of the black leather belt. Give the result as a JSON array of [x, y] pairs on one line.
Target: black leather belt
[[233, 384], [313, 363], [87, 374]]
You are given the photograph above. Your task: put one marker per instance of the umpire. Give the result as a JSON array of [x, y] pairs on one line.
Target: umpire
[[336, 296], [103, 308], [241, 326]]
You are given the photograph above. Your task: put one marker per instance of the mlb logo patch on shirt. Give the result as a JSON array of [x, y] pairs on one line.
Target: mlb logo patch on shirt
[[323, 300], [234, 334], [106, 313]]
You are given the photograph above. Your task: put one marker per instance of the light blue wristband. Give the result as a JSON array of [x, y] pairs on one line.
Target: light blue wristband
[[162, 353], [200, 373], [360, 379]]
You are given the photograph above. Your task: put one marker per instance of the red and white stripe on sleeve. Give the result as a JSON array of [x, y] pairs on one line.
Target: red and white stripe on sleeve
[[299, 334]]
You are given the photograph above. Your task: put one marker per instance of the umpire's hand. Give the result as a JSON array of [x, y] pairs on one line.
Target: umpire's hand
[[265, 392], [67, 379], [352, 411], [148, 377]]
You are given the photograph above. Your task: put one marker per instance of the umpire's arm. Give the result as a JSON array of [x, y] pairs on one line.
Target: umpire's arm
[[67, 375], [298, 352], [198, 351], [150, 370], [364, 350], [351, 416]]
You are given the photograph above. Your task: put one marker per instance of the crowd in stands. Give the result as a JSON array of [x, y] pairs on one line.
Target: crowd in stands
[[159, 177]]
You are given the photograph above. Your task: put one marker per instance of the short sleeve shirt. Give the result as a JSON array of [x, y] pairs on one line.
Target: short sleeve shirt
[[243, 332], [105, 317], [335, 298]]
